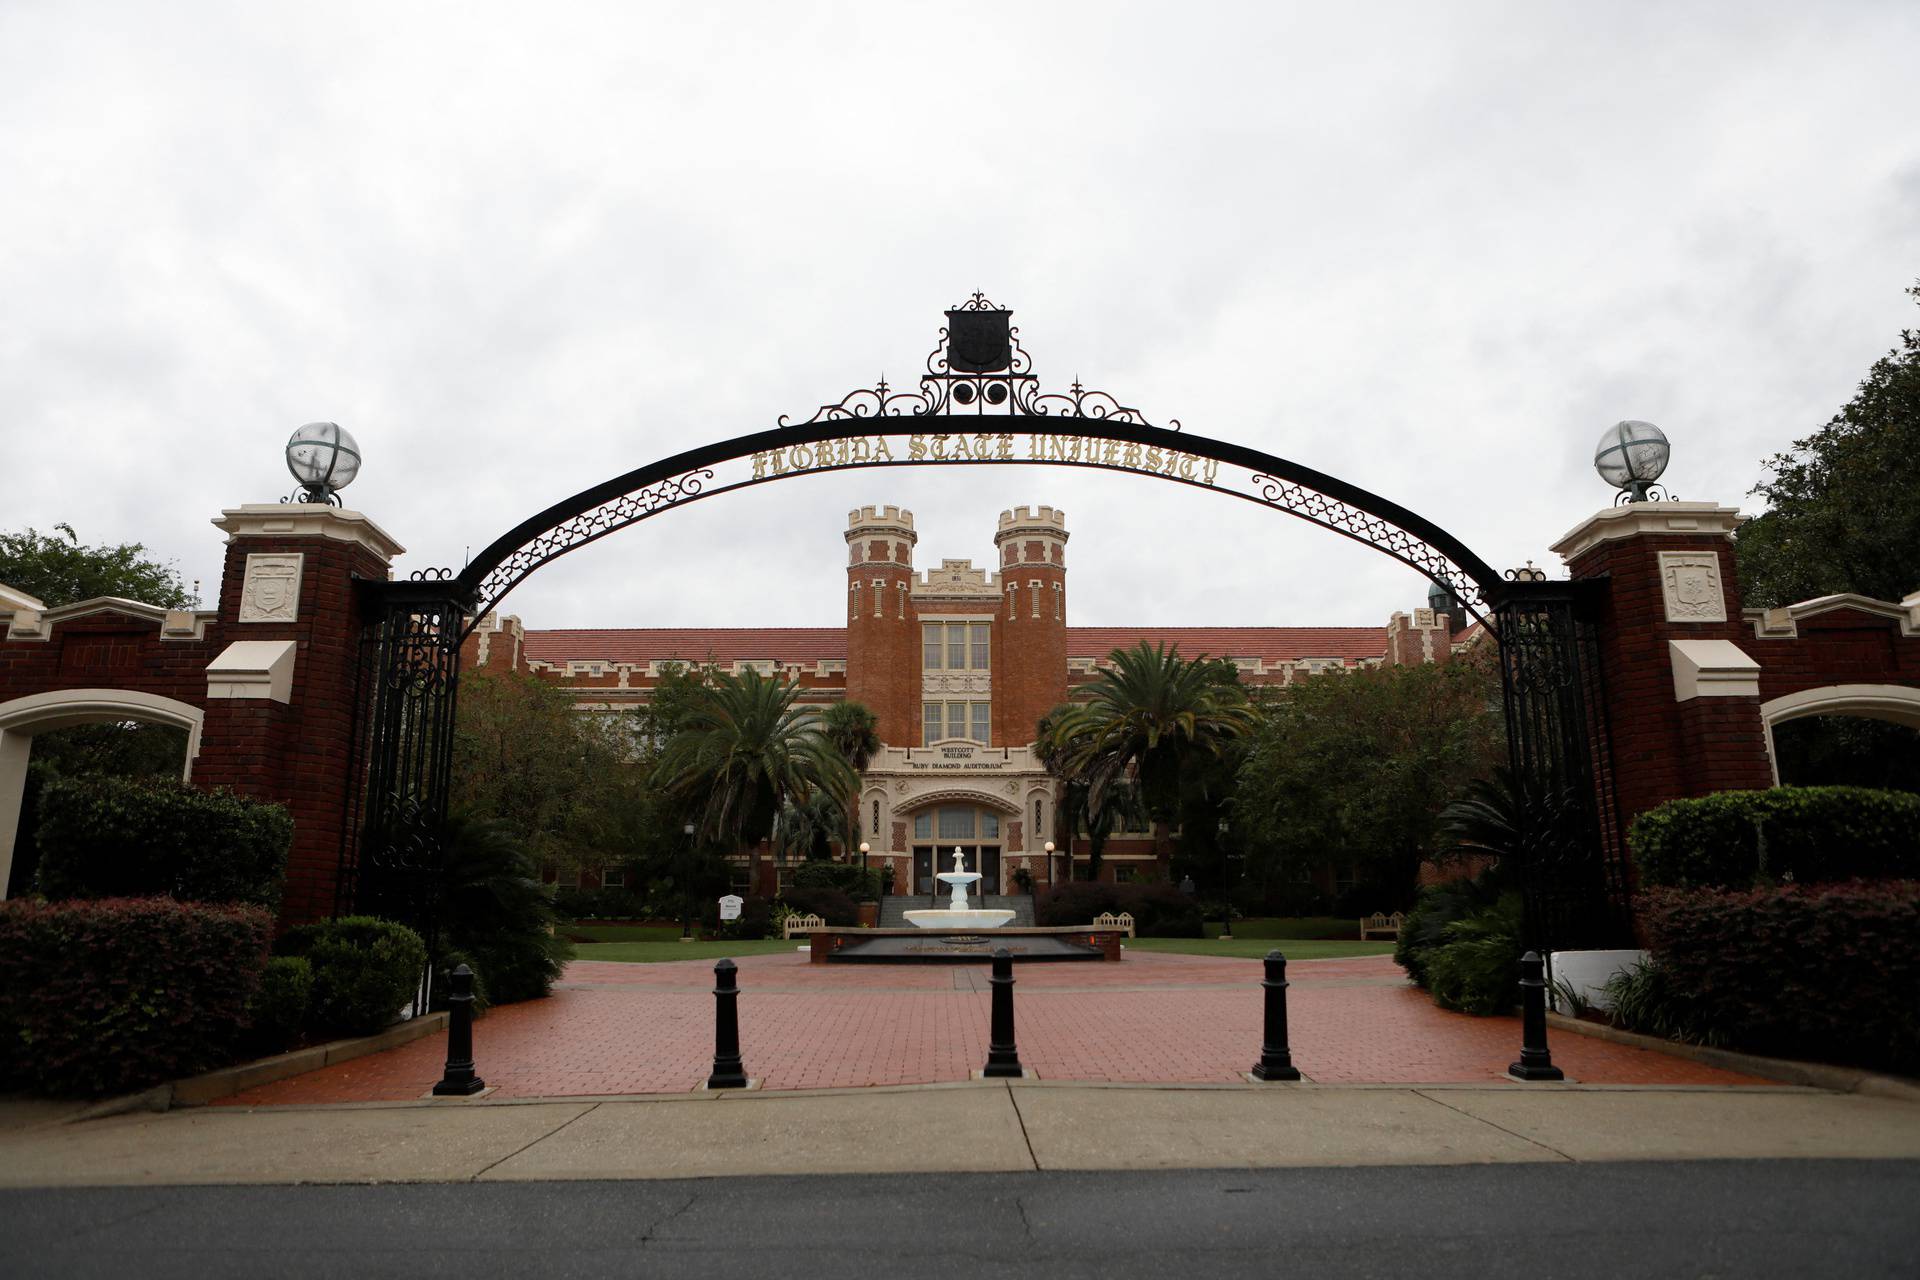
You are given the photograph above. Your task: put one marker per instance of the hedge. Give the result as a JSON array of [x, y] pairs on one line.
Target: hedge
[[831, 905], [1158, 910], [365, 971], [1735, 839], [103, 837], [847, 877], [277, 1014], [99, 997], [1811, 971]]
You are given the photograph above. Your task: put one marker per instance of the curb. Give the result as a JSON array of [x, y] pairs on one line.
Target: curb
[[197, 1091], [1816, 1075]]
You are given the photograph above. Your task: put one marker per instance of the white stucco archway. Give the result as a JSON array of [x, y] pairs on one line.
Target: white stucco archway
[[1895, 702], [22, 718]]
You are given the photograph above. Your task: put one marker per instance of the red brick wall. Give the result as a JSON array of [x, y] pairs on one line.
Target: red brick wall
[[883, 654], [1029, 653]]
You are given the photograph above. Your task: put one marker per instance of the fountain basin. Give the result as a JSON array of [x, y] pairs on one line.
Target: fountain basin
[[948, 918]]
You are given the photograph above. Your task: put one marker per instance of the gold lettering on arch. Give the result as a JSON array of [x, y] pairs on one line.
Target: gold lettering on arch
[[864, 451]]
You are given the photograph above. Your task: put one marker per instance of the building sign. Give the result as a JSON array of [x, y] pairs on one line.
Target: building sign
[[985, 446], [958, 758], [730, 906]]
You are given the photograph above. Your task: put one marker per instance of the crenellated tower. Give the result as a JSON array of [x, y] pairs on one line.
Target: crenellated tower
[[882, 626], [1030, 626]]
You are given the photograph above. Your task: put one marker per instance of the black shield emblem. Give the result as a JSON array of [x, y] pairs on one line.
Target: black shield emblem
[[978, 341]]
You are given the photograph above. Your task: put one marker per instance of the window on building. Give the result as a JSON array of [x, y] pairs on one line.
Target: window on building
[[930, 646], [982, 645], [923, 825], [982, 721], [567, 877], [613, 877], [929, 723], [956, 823], [956, 646], [956, 719], [1123, 874], [989, 825], [874, 830], [740, 880]]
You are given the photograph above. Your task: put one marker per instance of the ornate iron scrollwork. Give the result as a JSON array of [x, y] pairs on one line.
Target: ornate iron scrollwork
[[1010, 390], [1376, 531]]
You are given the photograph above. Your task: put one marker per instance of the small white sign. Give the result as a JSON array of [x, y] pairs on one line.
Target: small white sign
[[730, 906]]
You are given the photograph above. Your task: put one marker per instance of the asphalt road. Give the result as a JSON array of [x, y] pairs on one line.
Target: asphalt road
[[1720, 1219]]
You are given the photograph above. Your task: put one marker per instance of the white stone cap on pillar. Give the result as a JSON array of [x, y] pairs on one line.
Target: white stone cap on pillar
[[253, 669], [1712, 669], [1632, 519], [307, 520]]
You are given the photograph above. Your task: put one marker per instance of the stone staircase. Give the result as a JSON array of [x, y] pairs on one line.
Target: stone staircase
[[1021, 904]]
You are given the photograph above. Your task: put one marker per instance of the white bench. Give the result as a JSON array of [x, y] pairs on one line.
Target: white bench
[[1378, 923], [1107, 920], [801, 925]]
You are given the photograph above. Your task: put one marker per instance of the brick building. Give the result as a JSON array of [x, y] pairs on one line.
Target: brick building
[[958, 664]]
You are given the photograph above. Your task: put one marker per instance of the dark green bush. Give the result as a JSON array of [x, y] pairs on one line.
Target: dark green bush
[[1477, 968], [1830, 972], [102, 837], [831, 905], [1158, 910], [498, 913], [278, 1011], [365, 971], [1810, 835], [1425, 929], [601, 904], [99, 997], [848, 878], [1646, 998]]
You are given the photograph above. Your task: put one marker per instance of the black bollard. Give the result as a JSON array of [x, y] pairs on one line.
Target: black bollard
[[1276, 1059], [1535, 1062], [1003, 1058], [459, 1080], [727, 1071]]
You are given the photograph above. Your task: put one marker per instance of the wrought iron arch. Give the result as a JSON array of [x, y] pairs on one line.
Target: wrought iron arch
[[977, 394]]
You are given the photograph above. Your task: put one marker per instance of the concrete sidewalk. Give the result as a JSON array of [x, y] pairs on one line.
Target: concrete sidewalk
[[984, 1126]]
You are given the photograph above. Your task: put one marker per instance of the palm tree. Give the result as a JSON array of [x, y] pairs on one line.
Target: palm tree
[[854, 731], [1150, 717], [743, 751]]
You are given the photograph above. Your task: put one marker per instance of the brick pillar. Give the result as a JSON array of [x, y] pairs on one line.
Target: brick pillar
[[883, 647], [1030, 626], [1683, 691], [280, 695]]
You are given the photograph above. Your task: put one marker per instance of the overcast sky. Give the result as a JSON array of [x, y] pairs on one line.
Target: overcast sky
[[520, 249]]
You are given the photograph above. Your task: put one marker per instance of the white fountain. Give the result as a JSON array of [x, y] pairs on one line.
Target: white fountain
[[957, 914]]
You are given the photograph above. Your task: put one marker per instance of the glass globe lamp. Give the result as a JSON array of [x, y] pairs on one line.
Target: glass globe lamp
[[324, 458], [1631, 456]]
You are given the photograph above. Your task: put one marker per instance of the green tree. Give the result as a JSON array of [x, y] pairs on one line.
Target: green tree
[[1355, 767], [1843, 514], [855, 733], [742, 752], [60, 570], [1152, 719]]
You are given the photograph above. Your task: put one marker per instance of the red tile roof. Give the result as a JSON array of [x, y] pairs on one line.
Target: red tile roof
[[1269, 644], [808, 645]]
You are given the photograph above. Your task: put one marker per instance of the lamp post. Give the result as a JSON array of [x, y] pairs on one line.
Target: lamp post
[[864, 846], [686, 886], [1226, 888], [1631, 456], [324, 458], [1049, 847]]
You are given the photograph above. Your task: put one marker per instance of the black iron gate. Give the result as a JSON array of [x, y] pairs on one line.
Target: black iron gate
[[1571, 861]]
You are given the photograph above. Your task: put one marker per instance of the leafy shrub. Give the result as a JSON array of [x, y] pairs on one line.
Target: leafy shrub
[[1425, 929], [278, 1011], [444, 964], [1158, 910], [1477, 968], [756, 921], [848, 878], [600, 904], [365, 970], [104, 837], [1646, 998], [1734, 839], [1824, 971], [499, 915], [103, 996], [831, 905]]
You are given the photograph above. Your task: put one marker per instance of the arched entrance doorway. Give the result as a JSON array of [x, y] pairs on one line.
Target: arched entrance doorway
[[979, 403], [22, 718], [1887, 703], [976, 830]]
